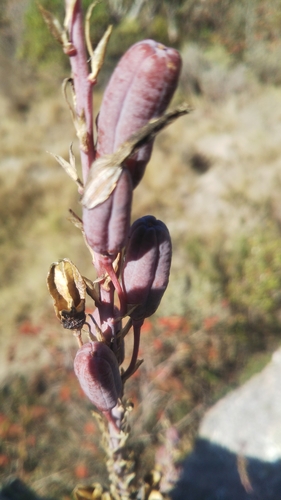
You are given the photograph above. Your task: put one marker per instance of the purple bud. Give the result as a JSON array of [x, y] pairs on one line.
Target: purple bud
[[97, 370], [140, 88], [107, 225], [147, 264]]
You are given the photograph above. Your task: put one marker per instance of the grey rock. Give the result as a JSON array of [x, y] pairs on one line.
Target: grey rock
[[248, 420], [211, 472], [15, 489], [237, 455]]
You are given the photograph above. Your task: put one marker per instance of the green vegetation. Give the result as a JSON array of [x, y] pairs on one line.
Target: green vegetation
[[248, 31], [245, 271], [254, 273]]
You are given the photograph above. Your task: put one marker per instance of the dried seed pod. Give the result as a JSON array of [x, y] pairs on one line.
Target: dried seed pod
[[147, 264], [97, 370], [107, 225], [68, 289], [140, 88]]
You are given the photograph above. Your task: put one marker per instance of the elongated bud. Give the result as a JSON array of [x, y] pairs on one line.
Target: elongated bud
[[68, 290], [147, 264], [140, 88], [97, 370], [107, 225]]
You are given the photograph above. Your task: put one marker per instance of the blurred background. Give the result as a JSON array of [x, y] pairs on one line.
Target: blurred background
[[214, 179]]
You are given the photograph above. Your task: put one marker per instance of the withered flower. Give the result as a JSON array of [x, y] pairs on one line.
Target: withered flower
[[68, 290], [97, 370]]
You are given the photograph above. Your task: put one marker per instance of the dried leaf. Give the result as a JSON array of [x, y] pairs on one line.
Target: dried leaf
[[105, 171], [79, 121], [106, 496], [89, 492], [98, 55], [82, 131], [69, 13], [53, 24], [69, 167], [57, 31], [68, 82], [155, 495], [87, 28], [79, 224], [73, 217], [101, 181], [91, 290], [242, 466], [148, 132], [68, 290]]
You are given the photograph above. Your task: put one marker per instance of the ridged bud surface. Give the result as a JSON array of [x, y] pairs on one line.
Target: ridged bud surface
[[147, 265], [140, 89], [107, 225], [97, 370]]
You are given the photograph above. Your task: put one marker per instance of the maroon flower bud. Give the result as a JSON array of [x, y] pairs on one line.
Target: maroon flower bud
[[97, 370], [140, 88], [147, 264], [106, 226]]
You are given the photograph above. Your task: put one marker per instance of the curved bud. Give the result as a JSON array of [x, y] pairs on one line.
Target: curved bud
[[147, 265], [68, 289], [97, 370], [140, 88], [106, 226]]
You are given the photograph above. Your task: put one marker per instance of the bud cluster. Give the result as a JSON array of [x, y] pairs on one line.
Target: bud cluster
[[131, 261]]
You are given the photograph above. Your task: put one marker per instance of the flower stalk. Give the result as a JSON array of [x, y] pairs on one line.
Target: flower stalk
[[132, 262]]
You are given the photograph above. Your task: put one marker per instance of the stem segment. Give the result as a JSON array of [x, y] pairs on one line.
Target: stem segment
[[82, 86]]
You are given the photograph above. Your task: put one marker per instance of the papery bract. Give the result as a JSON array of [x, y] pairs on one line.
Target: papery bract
[[140, 88], [147, 264], [97, 370]]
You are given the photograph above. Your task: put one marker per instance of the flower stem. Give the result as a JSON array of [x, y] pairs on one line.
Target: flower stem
[[82, 85]]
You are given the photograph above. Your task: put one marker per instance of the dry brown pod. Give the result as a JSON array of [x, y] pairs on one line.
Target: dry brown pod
[[68, 290]]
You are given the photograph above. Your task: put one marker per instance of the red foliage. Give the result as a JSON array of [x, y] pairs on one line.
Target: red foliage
[[90, 447], [31, 440], [213, 353], [4, 460], [158, 344], [65, 393], [4, 425], [90, 427], [147, 327], [81, 471], [15, 430], [38, 411], [173, 323], [27, 328], [210, 322]]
